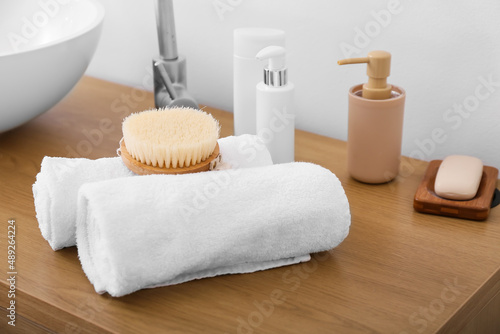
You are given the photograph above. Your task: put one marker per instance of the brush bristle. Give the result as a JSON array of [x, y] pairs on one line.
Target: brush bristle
[[171, 138]]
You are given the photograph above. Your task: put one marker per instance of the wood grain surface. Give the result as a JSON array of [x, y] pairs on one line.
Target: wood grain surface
[[398, 271]]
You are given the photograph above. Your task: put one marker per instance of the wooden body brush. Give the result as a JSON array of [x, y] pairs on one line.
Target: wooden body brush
[[170, 141]]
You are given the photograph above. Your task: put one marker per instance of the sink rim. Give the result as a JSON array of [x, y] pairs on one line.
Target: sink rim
[[98, 19]]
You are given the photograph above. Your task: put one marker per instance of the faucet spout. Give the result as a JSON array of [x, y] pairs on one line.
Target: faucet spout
[[169, 69], [165, 24]]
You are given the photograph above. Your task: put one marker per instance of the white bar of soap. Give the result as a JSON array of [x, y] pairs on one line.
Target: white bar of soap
[[458, 177]]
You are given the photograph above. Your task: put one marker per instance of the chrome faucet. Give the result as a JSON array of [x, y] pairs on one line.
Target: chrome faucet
[[169, 69]]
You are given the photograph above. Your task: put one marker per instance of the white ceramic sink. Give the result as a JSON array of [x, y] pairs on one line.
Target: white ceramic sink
[[45, 47]]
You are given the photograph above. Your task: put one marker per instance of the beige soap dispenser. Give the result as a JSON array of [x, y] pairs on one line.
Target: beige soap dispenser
[[375, 126]]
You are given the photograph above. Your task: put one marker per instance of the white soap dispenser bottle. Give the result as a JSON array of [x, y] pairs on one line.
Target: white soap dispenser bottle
[[247, 73], [274, 106]]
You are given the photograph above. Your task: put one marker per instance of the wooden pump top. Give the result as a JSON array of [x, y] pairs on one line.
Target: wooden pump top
[[378, 69]]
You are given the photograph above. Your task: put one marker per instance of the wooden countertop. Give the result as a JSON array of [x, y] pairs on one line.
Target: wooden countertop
[[398, 271]]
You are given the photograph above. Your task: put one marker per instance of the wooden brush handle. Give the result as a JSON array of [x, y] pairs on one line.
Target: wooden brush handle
[[143, 169]]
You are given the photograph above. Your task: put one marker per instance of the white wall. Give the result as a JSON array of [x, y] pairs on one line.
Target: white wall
[[443, 52]]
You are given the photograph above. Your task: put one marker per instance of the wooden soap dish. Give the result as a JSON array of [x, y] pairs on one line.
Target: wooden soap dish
[[143, 169], [478, 208]]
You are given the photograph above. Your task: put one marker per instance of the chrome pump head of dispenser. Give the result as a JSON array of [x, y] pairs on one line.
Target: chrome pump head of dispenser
[[275, 73], [169, 69]]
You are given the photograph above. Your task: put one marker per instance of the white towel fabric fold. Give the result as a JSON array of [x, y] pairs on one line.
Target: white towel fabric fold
[[56, 188], [157, 230]]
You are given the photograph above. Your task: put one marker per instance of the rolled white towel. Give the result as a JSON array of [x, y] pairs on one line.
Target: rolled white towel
[[157, 230], [56, 188]]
